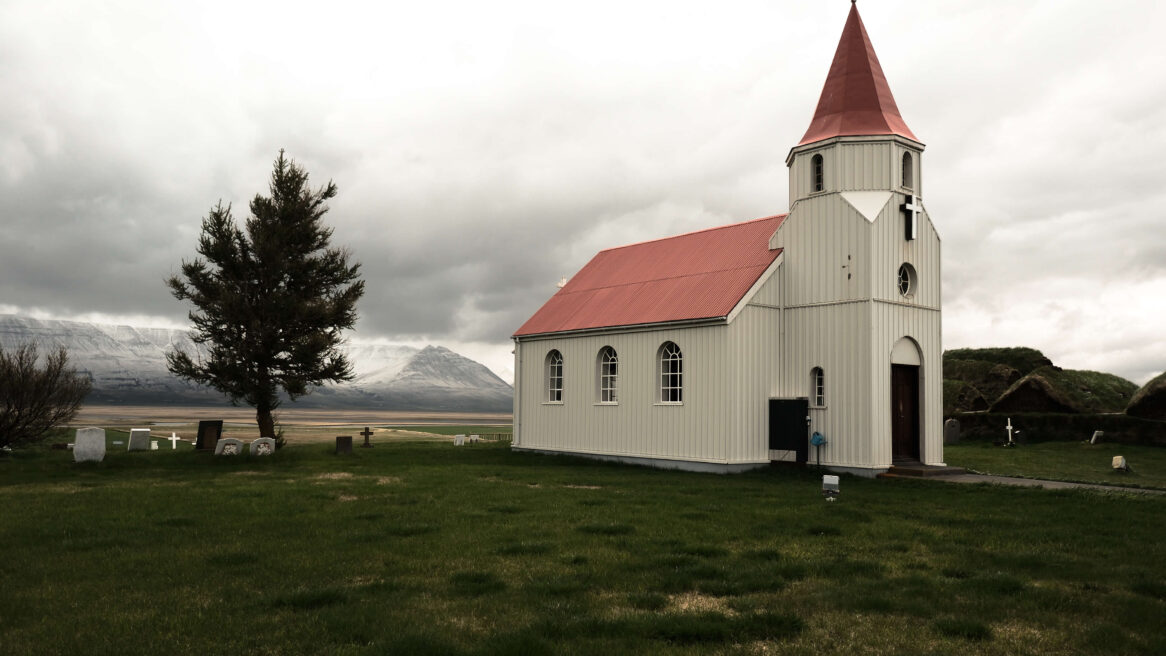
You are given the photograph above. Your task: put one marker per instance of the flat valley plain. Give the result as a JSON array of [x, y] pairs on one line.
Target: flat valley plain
[[420, 547]]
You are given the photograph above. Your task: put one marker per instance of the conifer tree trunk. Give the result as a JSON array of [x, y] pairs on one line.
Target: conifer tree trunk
[[265, 420]]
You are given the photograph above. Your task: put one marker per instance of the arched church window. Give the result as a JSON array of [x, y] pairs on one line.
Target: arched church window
[[608, 373], [671, 368], [817, 173], [818, 387], [554, 374], [908, 171]]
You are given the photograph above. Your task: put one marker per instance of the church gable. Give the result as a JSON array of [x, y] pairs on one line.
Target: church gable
[[699, 275]]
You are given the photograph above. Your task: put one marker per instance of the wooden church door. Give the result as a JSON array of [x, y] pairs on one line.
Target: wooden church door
[[904, 412]]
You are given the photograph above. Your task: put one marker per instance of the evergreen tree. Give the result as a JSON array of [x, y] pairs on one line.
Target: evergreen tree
[[271, 300]]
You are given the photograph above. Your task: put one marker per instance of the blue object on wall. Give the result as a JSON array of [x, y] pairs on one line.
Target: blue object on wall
[[817, 439]]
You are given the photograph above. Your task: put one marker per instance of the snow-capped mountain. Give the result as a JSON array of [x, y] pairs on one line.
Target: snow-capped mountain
[[127, 365]]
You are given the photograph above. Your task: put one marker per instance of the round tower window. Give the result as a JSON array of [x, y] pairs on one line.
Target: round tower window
[[907, 280]]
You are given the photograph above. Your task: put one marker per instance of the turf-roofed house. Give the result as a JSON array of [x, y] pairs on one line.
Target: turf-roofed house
[[730, 348]]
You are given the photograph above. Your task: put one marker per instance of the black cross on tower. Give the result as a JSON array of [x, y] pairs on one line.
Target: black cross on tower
[[367, 434], [911, 209]]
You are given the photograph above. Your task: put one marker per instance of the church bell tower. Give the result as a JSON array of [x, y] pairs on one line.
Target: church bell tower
[[862, 271]]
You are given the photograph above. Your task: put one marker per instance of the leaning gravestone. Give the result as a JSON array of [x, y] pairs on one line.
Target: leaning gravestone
[[89, 445], [263, 446], [139, 440], [951, 431], [228, 446], [208, 434], [343, 444]]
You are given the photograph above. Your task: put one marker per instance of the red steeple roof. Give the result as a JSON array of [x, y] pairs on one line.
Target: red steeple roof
[[699, 275], [856, 100]]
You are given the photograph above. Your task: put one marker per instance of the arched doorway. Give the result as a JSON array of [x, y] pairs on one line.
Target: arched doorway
[[906, 405]]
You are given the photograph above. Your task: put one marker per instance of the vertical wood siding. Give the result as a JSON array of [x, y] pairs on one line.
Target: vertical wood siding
[[703, 428]]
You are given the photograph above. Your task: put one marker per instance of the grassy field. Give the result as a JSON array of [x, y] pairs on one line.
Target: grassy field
[[1064, 461], [420, 547]]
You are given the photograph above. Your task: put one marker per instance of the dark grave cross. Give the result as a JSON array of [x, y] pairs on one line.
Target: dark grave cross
[[367, 434], [343, 444]]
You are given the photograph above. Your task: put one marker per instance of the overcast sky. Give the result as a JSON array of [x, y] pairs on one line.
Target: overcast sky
[[485, 150]]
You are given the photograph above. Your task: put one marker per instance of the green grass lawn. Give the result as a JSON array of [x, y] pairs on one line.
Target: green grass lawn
[[1064, 461], [420, 547]]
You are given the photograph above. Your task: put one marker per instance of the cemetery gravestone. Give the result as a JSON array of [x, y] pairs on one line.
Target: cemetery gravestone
[[228, 446], [139, 440], [459, 440], [89, 446], [951, 431], [208, 434], [367, 434], [343, 444], [263, 446], [474, 439], [1097, 435]]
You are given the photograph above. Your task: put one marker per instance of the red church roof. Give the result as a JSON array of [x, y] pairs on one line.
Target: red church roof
[[699, 275], [856, 99]]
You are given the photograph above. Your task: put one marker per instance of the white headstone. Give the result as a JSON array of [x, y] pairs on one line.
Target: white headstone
[[263, 446], [475, 438], [951, 431], [89, 446], [153, 445], [459, 440], [228, 446], [1120, 464], [139, 440], [1097, 435]]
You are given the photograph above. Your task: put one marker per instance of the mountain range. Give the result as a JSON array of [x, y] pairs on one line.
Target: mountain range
[[127, 366]]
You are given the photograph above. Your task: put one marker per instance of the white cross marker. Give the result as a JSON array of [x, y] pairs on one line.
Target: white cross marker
[[174, 439], [1009, 428], [912, 208]]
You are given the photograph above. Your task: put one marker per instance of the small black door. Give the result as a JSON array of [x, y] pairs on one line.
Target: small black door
[[904, 412], [789, 428]]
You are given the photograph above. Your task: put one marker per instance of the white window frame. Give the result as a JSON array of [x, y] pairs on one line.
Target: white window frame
[[670, 374], [907, 277], [553, 387], [908, 171], [818, 387], [607, 376]]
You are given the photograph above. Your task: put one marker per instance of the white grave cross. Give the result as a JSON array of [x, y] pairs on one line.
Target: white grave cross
[[174, 439]]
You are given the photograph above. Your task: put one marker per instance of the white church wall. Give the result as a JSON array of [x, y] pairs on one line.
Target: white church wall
[[826, 246], [702, 429], [890, 250], [836, 338], [755, 347]]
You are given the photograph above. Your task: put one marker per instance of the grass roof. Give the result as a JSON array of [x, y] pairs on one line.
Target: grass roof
[[1021, 358], [1051, 389], [1150, 401]]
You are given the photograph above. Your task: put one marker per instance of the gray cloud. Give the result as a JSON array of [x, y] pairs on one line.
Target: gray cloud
[[482, 158]]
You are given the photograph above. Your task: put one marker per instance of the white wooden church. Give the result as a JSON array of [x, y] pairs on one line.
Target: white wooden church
[[732, 347]]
